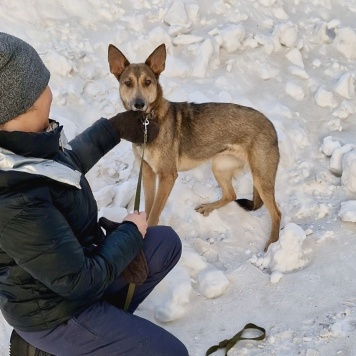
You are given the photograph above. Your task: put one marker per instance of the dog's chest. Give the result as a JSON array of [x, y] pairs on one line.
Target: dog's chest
[[151, 156]]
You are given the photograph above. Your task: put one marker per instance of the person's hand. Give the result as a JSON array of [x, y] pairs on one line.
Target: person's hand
[[140, 220], [129, 126]]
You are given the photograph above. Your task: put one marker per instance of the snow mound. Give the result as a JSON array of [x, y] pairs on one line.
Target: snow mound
[[329, 146], [177, 15], [325, 98], [231, 37], [348, 177], [336, 160], [345, 41], [345, 86], [348, 211], [285, 255], [212, 283], [176, 295]]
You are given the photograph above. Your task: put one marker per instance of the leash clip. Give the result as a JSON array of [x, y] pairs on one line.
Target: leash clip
[[145, 124]]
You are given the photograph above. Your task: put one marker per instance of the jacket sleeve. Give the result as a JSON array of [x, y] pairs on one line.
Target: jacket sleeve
[[92, 144], [41, 242]]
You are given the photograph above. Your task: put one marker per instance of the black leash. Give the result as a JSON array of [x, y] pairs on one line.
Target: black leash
[[131, 289], [229, 343]]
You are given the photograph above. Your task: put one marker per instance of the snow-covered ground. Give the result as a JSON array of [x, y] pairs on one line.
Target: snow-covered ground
[[294, 60]]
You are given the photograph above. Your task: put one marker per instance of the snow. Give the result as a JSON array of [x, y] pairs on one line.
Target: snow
[[212, 283], [345, 86], [285, 255], [345, 41], [295, 57], [349, 170], [337, 157], [292, 60], [231, 37], [348, 211], [325, 98]]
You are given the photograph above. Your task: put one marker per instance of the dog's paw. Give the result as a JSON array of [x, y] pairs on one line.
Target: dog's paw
[[204, 209], [266, 247]]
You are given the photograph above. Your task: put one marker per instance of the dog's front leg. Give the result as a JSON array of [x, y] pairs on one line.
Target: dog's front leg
[[165, 185], [149, 186]]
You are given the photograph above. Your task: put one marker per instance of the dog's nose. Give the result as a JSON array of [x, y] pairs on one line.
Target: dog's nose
[[139, 104]]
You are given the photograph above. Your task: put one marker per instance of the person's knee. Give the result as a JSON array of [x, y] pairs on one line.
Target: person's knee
[[174, 238], [168, 237], [164, 343], [180, 350], [174, 241], [164, 249]]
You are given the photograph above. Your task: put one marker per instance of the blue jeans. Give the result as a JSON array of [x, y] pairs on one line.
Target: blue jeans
[[105, 329]]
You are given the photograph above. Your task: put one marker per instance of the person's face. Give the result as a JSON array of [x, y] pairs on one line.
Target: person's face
[[34, 119]]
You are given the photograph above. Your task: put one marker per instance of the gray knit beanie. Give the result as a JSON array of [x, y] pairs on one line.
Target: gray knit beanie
[[23, 77]]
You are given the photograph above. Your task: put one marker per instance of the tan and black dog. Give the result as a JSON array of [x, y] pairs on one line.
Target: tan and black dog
[[230, 135]]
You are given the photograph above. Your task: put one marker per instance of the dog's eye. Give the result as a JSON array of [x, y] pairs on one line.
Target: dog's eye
[[128, 83], [148, 82]]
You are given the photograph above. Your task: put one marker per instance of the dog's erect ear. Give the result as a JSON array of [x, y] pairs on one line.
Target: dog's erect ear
[[157, 59], [117, 61]]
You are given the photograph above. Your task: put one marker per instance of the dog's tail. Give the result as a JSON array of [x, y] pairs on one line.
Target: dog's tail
[[250, 205]]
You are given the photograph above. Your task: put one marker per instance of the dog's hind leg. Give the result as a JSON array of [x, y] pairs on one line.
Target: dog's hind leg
[[224, 169], [264, 169], [267, 195]]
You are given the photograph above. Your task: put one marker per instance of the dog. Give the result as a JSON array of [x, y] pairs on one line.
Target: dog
[[230, 135]]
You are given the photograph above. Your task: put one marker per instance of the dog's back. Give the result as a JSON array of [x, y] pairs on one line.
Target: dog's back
[[207, 129]]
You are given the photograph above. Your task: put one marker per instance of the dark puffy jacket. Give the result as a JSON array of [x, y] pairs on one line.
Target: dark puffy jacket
[[48, 224]]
